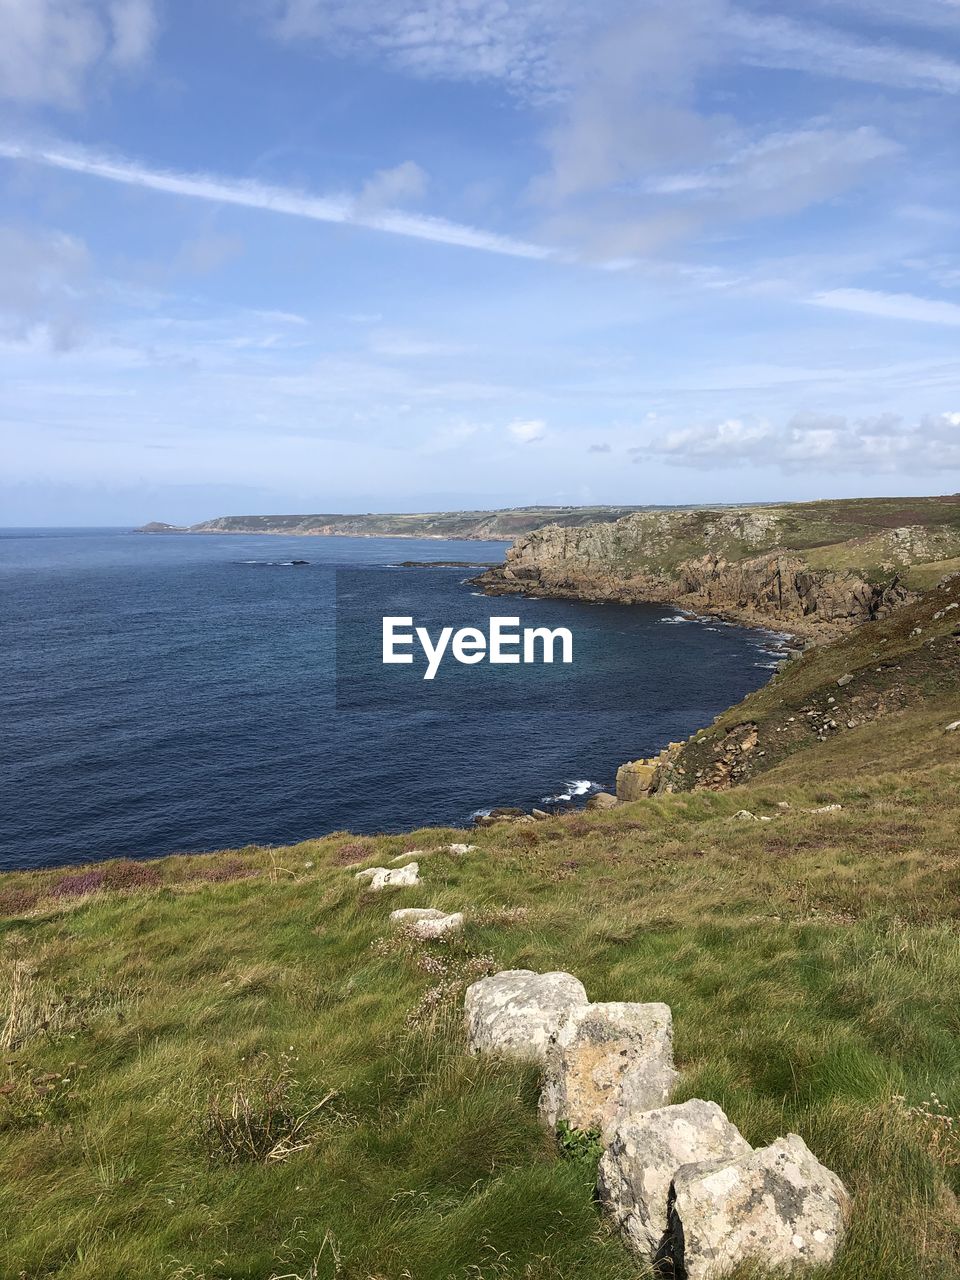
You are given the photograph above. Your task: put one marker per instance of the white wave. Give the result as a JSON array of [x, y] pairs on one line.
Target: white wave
[[673, 622], [579, 787]]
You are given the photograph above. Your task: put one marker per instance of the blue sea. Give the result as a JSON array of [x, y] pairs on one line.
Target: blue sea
[[177, 693]]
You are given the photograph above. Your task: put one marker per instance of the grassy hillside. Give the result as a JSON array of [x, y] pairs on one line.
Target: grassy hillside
[[169, 1025], [854, 686]]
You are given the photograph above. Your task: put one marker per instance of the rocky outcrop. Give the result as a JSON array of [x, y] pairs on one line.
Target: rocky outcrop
[[638, 779], [683, 1185], [516, 1012], [732, 563], [607, 1060]]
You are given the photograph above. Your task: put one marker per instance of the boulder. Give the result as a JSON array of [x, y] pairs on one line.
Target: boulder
[[779, 1207], [460, 848], [845, 680], [638, 1167], [636, 780], [386, 878], [602, 800], [515, 1012], [427, 922], [608, 1059]]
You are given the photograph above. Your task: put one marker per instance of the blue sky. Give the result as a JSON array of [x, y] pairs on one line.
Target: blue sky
[[338, 255]]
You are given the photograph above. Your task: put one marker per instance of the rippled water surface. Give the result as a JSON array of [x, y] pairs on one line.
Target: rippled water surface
[[173, 693]]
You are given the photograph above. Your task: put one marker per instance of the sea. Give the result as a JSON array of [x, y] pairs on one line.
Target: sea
[[184, 693]]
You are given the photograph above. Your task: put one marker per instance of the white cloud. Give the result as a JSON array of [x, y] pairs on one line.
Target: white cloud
[[42, 288], [404, 184], [817, 442], [788, 168], [51, 49], [890, 306], [528, 432], [786, 44], [537, 47], [134, 27], [271, 199]]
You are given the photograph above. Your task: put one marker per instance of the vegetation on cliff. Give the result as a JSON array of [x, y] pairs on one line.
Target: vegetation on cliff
[[230, 1067], [816, 568]]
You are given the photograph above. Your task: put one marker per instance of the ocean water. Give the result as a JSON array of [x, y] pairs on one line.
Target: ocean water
[[185, 693]]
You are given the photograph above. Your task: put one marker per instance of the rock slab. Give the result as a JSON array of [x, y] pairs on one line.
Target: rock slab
[[778, 1206], [427, 922], [390, 878], [515, 1012], [639, 1166], [605, 1060]]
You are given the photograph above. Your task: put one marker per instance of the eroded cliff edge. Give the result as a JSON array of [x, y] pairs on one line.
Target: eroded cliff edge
[[814, 569]]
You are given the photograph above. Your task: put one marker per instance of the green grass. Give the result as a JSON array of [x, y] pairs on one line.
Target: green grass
[[812, 964]]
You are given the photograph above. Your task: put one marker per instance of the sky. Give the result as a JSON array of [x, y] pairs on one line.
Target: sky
[[395, 255]]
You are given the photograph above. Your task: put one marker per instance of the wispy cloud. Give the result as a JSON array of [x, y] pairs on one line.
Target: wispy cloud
[[817, 442], [50, 49], [783, 43], [528, 432], [890, 306], [251, 194]]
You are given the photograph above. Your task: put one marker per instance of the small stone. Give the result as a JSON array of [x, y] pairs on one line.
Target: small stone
[[952, 727], [602, 800], [427, 922], [517, 1011], [744, 815], [410, 853], [384, 878], [845, 680]]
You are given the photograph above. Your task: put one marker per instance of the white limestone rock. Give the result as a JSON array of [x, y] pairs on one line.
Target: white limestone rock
[[778, 1206], [647, 1150], [515, 1012], [390, 878], [427, 922], [605, 1060]]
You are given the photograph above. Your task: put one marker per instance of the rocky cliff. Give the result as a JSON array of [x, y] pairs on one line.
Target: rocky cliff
[[743, 564]]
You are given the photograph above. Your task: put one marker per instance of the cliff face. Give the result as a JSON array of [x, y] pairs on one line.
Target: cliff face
[[730, 562]]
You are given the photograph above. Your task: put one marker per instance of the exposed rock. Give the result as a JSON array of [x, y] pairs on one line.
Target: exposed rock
[[515, 1012], [952, 727], [427, 922], [640, 778], [778, 1206], [636, 780], [391, 878], [646, 1151], [460, 848], [602, 800], [606, 1060], [725, 562]]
